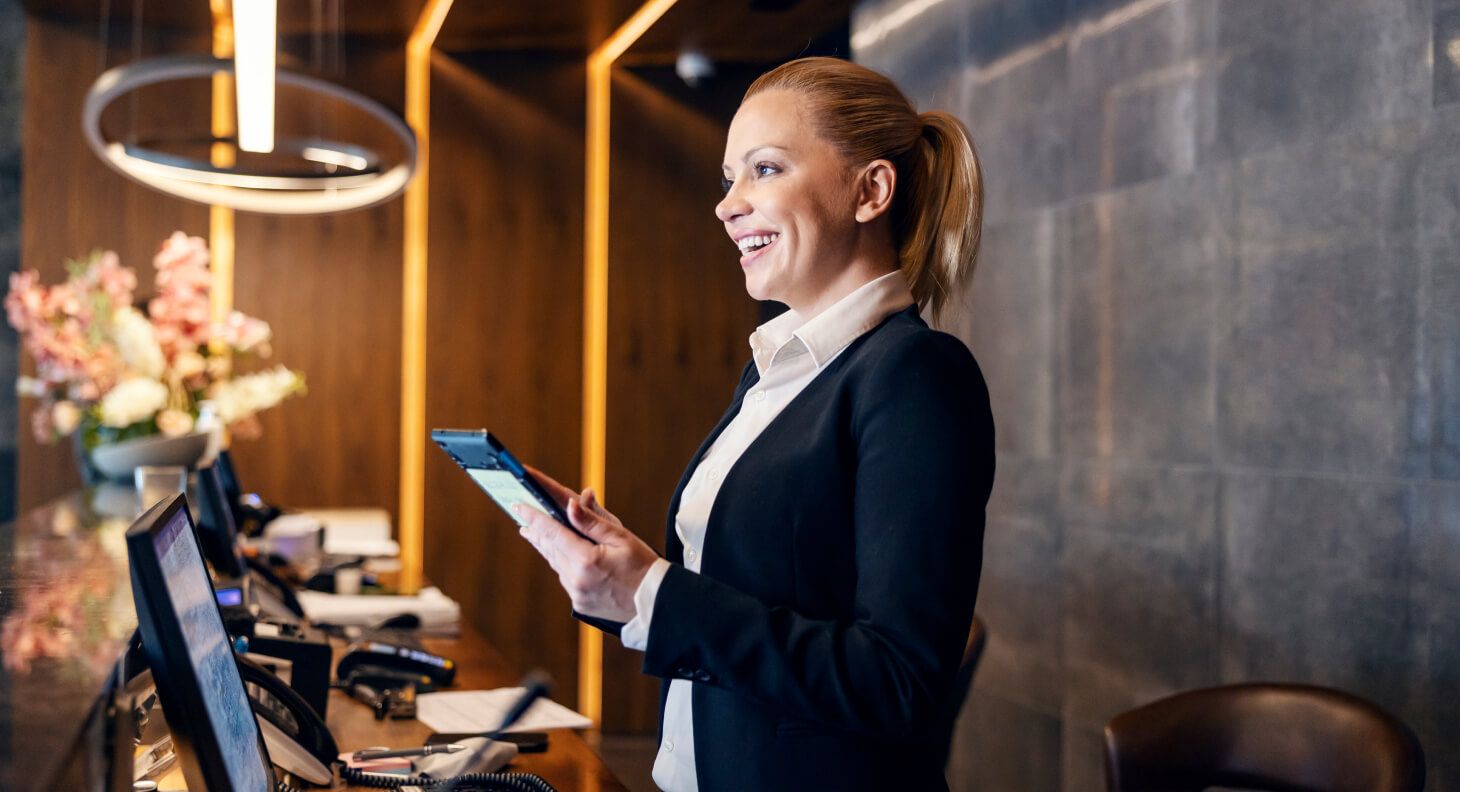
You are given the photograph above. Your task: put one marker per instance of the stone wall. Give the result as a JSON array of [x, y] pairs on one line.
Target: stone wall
[[1219, 311], [12, 60]]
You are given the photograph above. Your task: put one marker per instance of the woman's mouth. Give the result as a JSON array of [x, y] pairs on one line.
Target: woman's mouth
[[752, 246]]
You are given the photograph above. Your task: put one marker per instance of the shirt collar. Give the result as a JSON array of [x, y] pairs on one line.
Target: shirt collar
[[789, 336]]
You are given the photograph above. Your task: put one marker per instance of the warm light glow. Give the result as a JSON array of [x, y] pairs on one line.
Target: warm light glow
[[342, 159], [220, 218], [255, 50], [411, 531], [595, 308]]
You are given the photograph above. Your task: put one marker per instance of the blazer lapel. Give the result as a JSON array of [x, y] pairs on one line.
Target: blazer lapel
[[672, 548]]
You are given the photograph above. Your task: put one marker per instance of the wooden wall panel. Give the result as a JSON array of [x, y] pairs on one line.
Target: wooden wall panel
[[330, 287], [71, 203], [679, 318], [505, 331]]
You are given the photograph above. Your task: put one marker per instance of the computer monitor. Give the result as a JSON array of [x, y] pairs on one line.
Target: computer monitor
[[228, 474], [217, 531], [214, 732]]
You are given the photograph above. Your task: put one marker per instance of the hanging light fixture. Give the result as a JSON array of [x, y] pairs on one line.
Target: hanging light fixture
[[331, 176]]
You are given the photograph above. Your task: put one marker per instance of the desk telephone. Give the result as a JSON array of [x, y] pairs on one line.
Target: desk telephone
[[300, 744]]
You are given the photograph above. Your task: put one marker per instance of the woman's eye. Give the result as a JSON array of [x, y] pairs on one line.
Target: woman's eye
[[766, 169], [725, 185]]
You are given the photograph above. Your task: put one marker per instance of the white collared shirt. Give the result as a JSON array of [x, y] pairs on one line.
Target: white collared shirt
[[789, 352]]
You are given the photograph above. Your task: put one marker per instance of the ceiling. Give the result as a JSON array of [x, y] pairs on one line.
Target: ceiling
[[731, 30]]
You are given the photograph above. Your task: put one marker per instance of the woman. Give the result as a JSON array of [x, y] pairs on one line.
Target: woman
[[824, 545]]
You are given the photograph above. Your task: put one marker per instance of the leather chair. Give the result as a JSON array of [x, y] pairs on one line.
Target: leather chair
[[1282, 738], [978, 637]]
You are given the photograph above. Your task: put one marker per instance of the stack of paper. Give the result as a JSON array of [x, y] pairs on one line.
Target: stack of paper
[[437, 612], [455, 711]]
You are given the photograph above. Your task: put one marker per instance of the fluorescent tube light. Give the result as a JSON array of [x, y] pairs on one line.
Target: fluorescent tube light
[[254, 50]]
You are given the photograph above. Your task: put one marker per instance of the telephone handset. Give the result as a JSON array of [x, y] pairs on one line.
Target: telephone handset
[[297, 739]]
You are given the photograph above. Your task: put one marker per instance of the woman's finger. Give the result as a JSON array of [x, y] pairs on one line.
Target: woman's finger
[[559, 493], [552, 540], [591, 523]]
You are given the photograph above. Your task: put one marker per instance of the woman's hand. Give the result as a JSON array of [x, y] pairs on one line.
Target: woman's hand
[[600, 579]]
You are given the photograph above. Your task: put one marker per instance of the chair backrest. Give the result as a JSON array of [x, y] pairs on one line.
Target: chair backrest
[[978, 637], [1284, 738]]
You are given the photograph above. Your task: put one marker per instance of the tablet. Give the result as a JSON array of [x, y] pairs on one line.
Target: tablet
[[498, 473]]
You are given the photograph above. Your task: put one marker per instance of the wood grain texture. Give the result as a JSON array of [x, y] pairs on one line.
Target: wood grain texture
[[71, 203], [679, 318], [329, 286], [505, 331]]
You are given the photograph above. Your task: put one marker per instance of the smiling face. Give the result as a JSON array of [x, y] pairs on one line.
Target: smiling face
[[790, 204]]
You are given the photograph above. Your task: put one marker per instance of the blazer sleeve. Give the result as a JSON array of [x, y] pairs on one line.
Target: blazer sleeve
[[924, 469]]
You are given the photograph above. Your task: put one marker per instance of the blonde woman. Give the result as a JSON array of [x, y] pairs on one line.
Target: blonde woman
[[825, 542]]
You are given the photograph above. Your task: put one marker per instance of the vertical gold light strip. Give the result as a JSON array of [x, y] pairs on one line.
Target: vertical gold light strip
[[595, 308], [223, 155], [413, 300]]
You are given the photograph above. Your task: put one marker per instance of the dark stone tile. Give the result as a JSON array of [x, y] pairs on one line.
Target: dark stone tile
[[1435, 614], [1138, 305], [1138, 566], [1298, 69], [1318, 357], [1006, 315], [1142, 85], [1019, 598], [12, 78], [919, 45], [1439, 292], [1315, 584], [1082, 757], [1016, 103], [1003, 747], [1446, 54], [7, 484]]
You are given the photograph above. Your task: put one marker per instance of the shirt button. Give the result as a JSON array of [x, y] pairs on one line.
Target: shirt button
[[714, 474], [669, 746], [760, 396], [689, 554]]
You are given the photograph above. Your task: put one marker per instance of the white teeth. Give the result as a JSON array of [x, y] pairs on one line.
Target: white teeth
[[755, 242]]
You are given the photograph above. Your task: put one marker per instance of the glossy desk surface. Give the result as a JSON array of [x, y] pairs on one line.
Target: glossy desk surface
[[568, 764], [66, 616], [65, 619]]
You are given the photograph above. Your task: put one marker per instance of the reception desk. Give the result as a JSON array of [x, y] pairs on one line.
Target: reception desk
[[66, 619]]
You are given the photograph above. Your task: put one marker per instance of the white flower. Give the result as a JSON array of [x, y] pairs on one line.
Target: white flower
[[131, 401], [174, 423], [137, 343], [189, 365], [239, 398], [30, 386], [65, 416]]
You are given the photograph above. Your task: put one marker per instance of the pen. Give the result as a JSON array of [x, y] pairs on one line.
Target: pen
[[425, 750]]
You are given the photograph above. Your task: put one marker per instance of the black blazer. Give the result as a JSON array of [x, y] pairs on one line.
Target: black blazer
[[841, 564]]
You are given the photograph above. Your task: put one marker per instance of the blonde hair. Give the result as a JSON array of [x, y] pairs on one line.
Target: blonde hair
[[937, 209]]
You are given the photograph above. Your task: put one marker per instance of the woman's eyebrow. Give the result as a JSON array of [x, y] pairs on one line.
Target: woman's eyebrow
[[752, 152]]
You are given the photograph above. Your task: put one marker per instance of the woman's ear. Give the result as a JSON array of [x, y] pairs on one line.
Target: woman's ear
[[875, 186]]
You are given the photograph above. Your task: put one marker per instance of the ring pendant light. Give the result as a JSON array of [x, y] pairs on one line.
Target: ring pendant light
[[356, 182]]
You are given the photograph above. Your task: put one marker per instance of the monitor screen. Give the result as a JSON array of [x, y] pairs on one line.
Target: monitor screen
[[197, 677], [217, 530], [229, 476]]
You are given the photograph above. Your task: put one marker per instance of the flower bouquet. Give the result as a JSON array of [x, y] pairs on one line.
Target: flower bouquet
[[107, 373]]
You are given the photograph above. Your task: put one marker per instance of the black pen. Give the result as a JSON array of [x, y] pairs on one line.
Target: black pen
[[425, 750]]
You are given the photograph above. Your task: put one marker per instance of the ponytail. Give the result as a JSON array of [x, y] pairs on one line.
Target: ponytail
[[937, 212]]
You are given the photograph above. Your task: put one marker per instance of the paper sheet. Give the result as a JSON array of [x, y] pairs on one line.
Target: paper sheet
[[483, 710], [436, 610]]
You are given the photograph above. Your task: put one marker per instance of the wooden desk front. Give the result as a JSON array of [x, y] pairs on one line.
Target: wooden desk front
[[569, 764]]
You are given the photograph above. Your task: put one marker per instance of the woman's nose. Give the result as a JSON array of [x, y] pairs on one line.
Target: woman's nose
[[733, 205]]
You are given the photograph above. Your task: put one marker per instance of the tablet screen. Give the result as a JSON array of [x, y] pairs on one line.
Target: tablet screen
[[506, 490]]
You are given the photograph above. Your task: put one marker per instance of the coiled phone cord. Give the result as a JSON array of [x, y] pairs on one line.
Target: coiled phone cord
[[495, 782]]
